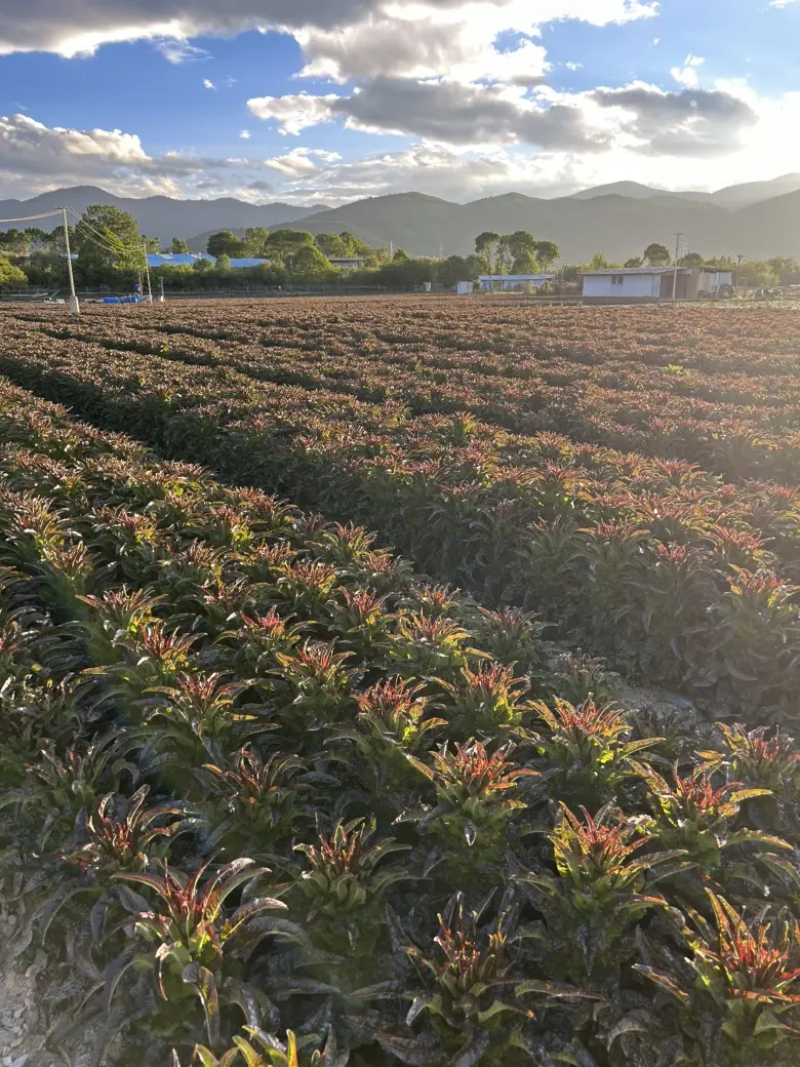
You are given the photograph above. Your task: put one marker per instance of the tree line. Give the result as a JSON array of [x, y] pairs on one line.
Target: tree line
[[110, 254]]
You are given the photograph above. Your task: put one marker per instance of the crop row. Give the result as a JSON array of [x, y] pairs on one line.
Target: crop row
[[259, 774], [734, 414], [653, 563]]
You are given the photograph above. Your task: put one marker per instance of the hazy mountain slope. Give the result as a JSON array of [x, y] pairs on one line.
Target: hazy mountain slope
[[738, 196], [771, 228], [158, 216], [636, 191], [618, 226]]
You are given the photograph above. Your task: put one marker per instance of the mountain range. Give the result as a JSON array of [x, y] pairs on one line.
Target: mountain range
[[755, 219], [618, 226], [158, 216]]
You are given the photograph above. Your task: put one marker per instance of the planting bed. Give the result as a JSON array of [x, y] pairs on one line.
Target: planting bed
[[267, 787]]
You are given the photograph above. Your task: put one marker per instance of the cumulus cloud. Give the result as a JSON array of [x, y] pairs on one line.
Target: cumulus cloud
[[300, 161], [35, 157], [446, 112], [82, 26], [245, 135], [463, 51], [690, 122], [208, 84], [687, 74], [294, 113], [437, 171]]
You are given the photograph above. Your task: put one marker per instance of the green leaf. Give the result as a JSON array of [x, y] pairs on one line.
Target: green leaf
[[203, 981]]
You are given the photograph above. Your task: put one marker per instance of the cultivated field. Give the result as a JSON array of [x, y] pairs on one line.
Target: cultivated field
[[404, 824]]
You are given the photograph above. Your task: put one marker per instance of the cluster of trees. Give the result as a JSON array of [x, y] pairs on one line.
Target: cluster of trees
[[514, 253], [110, 251], [283, 245]]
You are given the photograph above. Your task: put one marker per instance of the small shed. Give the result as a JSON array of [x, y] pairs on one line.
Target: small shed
[[464, 288], [652, 283], [503, 282]]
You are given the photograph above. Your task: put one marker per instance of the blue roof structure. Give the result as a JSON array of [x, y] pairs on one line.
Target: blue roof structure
[[179, 259]]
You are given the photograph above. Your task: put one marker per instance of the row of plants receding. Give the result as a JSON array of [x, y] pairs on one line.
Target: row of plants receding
[[740, 423], [649, 562], [271, 794]]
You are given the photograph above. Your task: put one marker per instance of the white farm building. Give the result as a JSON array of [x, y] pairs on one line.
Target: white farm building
[[653, 283]]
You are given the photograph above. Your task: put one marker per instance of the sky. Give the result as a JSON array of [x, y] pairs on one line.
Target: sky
[[327, 101]]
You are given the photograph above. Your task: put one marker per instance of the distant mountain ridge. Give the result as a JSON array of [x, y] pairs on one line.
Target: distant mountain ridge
[[756, 219], [620, 227], [158, 216], [731, 197]]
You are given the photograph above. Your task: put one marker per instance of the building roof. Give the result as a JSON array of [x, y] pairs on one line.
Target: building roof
[[636, 270], [514, 277], [345, 259], [177, 259], [239, 264]]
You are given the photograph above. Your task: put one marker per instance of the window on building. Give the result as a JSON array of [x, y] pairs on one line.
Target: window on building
[[617, 279]]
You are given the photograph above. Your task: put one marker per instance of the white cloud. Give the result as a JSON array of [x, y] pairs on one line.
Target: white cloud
[[82, 26], [35, 157], [245, 135], [300, 162], [462, 51], [687, 74], [294, 113], [641, 117], [573, 65], [178, 50], [208, 84]]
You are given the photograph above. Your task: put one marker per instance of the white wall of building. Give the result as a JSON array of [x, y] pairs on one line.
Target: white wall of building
[[711, 280], [634, 286]]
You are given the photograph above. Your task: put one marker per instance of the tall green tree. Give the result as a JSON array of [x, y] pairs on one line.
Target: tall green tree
[[547, 252], [308, 264], [459, 269], [630, 264], [107, 238], [286, 244], [333, 244], [486, 246], [14, 242], [786, 268], [515, 244], [178, 247], [10, 275], [756, 273], [692, 259], [656, 255], [525, 263], [226, 243], [599, 262]]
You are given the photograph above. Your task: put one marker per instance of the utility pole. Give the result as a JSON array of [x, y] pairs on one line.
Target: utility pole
[[391, 250], [147, 274], [677, 256], [74, 306], [740, 257]]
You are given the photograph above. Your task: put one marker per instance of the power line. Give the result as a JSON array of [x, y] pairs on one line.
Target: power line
[[32, 218], [105, 242]]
